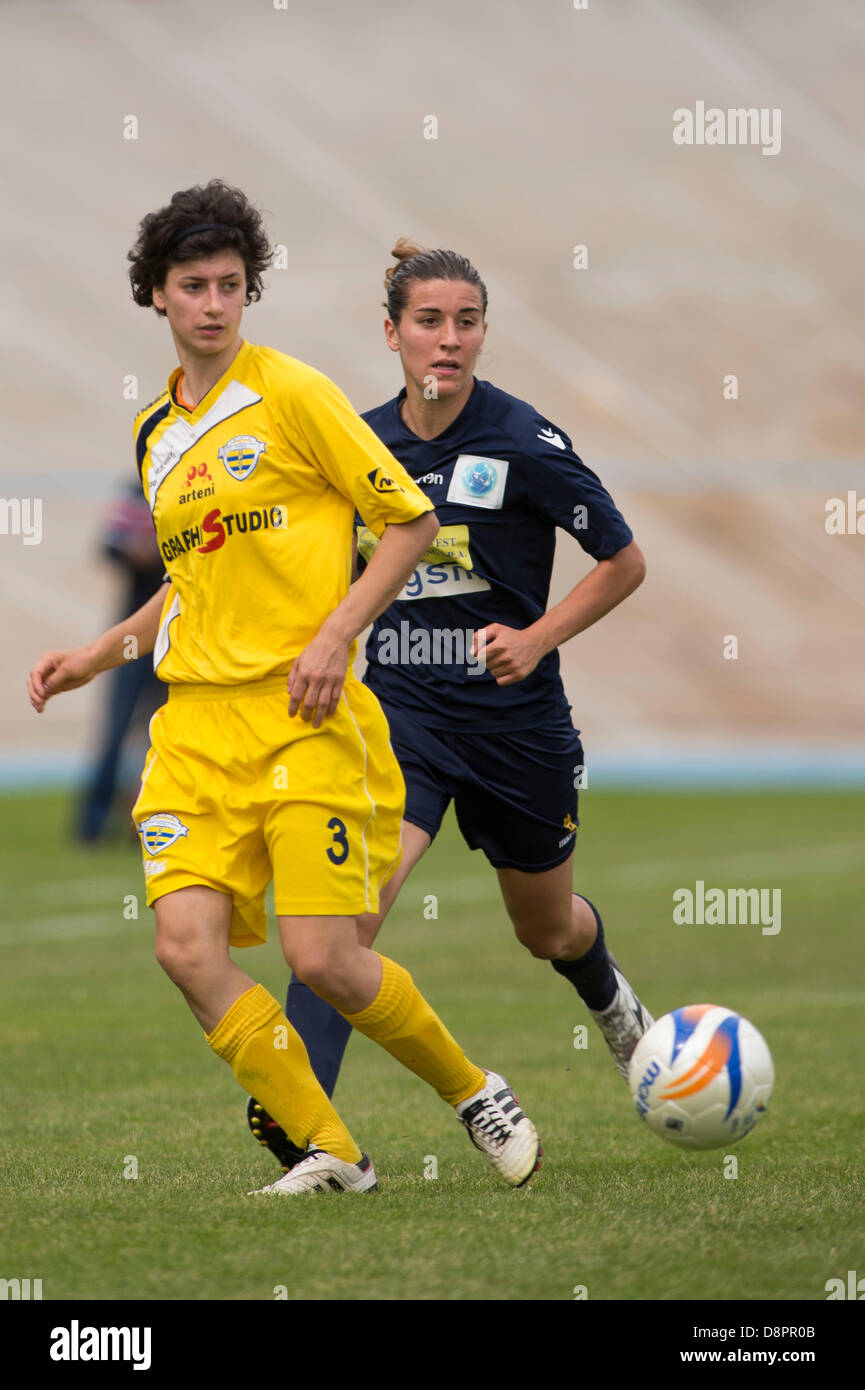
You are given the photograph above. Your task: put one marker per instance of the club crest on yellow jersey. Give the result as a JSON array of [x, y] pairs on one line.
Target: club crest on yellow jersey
[[160, 831], [241, 454]]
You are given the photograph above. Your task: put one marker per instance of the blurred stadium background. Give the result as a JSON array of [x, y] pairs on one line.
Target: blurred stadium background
[[554, 131]]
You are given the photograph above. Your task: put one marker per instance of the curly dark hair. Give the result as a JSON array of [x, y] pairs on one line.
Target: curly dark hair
[[165, 238]]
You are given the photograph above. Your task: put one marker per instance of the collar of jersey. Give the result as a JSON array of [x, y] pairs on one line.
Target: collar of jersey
[[235, 368], [465, 414]]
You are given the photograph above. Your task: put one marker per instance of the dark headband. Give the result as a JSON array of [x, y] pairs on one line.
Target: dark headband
[[200, 227]]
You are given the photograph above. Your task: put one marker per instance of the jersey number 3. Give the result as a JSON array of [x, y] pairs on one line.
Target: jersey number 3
[[337, 853]]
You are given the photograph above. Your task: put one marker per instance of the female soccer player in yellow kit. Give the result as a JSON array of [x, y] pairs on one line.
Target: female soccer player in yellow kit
[[254, 464]]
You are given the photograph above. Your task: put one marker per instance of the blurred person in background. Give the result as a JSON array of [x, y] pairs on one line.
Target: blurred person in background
[[134, 693]]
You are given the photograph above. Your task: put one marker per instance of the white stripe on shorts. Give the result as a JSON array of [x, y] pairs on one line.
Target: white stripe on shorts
[[368, 797]]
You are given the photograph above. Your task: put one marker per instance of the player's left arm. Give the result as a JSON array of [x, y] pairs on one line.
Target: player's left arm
[[555, 484], [511, 654]]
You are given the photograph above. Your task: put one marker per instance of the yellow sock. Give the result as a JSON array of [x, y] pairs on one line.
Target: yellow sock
[[270, 1061], [400, 1019]]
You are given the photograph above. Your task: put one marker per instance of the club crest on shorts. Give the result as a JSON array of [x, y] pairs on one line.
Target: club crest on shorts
[[160, 831], [240, 455]]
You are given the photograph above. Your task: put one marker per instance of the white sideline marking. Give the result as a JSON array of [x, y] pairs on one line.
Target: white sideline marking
[[69, 928], [482, 888], [73, 891], [840, 999], [798, 862]]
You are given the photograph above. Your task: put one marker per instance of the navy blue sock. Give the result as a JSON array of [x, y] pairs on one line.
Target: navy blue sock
[[325, 1033], [592, 975]]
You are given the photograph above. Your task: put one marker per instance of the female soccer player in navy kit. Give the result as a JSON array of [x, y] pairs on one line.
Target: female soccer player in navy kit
[[464, 661]]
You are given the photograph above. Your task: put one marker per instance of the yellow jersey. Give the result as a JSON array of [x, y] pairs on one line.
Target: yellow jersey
[[253, 494]]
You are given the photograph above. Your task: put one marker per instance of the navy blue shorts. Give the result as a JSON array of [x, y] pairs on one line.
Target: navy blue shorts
[[515, 794]]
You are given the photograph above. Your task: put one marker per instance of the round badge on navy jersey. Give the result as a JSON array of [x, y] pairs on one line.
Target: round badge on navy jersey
[[478, 481]]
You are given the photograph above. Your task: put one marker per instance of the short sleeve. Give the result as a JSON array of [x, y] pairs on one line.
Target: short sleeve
[[563, 490], [353, 459]]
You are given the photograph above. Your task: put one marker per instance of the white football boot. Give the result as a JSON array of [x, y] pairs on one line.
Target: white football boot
[[498, 1127], [623, 1022], [322, 1172]]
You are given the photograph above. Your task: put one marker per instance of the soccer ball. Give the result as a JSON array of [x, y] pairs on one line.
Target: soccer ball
[[701, 1077]]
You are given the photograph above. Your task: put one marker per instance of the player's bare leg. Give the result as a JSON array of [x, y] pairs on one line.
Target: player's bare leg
[[326, 1030], [558, 925], [415, 843], [334, 963], [247, 1028], [379, 998], [192, 930]]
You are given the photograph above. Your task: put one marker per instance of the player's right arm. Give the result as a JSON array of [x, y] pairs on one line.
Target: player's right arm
[[57, 671]]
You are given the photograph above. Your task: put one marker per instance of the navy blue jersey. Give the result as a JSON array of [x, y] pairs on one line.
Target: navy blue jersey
[[502, 479]]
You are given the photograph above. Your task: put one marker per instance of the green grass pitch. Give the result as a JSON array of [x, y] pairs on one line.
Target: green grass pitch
[[105, 1073]]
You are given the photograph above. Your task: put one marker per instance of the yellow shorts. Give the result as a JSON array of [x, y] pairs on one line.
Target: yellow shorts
[[234, 793]]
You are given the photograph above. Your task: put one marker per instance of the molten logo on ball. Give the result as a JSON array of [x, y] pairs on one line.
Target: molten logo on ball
[[701, 1077]]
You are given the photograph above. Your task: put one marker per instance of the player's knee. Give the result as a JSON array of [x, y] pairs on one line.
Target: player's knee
[[317, 965], [183, 960], [543, 940]]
